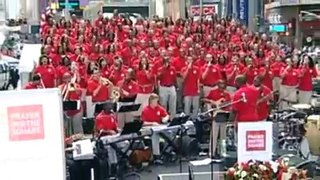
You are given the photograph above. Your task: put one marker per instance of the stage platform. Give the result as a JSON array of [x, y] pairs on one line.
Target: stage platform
[[172, 172]]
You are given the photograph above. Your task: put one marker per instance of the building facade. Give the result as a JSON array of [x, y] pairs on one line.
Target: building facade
[[299, 17]]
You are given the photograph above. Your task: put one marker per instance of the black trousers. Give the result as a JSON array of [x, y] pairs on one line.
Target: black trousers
[[81, 169]]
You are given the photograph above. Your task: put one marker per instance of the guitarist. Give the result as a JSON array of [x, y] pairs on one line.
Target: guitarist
[[265, 98], [215, 99]]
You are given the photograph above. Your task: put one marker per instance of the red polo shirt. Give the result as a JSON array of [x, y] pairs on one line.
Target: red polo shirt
[[276, 68], [179, 63], [250, 74], [31, 85], [291, 78], [268, 77], [106, 122], [153, 114], [101, 96], [306, 79], [263, 107], [145, 81], [167, 76], [213, 75], [131, 87], [217, 94], [229, 70], [117, 76], [246, 111], [191, 81], [48, 75]]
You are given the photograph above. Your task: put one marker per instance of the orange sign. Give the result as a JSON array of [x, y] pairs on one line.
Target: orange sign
[[25, 123]]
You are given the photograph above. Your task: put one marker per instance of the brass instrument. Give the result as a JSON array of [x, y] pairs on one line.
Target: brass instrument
[[115, 95], [69, 87], [41, 82]]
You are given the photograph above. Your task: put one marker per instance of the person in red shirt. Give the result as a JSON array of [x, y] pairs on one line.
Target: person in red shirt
[[211, 75], [245, 101], [276, 68], [146, 80], [191, 87], [234, 69], [167, 76], [71, 91], [153, 115], [267, 74], [128, 88], [265, 98], [290, 81], [118, 71], [250, 71], [47, 72], [36, 83], [214, 99], [106, 122], [97, 88], [179, 62], [307, 73]]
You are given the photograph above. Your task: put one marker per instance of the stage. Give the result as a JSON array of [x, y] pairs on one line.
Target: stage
[[169, 171]]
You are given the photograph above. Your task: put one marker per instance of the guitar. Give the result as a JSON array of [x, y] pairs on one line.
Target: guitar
[[266, 97]]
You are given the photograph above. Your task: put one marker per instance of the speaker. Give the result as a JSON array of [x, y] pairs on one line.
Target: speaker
[[203, 128]]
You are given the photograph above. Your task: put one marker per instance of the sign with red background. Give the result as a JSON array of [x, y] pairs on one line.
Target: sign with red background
[[256, 140], [25, 122]]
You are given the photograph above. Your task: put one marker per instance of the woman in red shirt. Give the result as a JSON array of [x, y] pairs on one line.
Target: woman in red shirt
[[250, 71], [146, 80], [47, 72], [307, 72], [72, 92], [63, 68], [154, 115], [290, 81], [104, 68]]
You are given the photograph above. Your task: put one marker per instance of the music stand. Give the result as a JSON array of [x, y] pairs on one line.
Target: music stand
[[132, 127], [128, 99], [177, 121], [70, 106]]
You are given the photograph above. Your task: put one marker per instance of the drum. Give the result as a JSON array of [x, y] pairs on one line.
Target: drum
[[313, 134]]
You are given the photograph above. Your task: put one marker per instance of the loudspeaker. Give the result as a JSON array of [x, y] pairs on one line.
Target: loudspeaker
[[203, 128]]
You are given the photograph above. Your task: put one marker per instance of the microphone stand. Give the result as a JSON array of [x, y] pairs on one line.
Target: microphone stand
[[243, 99]]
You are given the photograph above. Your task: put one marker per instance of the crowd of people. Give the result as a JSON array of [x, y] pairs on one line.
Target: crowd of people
[[187, 64]]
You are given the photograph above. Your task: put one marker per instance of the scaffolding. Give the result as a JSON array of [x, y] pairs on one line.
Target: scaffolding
[[91, 11]]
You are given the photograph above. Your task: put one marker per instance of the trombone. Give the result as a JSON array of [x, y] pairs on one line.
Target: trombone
[[69, 87]]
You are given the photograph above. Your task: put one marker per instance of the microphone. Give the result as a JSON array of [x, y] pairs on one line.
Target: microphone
[[244, 98]]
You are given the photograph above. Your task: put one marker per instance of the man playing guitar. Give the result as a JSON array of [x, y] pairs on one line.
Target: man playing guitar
[[216, 99]]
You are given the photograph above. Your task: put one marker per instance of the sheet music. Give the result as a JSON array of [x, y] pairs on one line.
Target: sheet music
[[83, 150]]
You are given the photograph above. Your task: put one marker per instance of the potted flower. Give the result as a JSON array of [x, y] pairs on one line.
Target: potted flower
[[254, 170]]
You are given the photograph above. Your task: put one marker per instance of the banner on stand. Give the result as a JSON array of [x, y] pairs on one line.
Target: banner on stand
[[32, 140], [254, 141]]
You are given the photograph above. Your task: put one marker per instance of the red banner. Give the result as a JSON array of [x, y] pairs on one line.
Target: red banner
[[25, 123], [256, 140], [206, 10]]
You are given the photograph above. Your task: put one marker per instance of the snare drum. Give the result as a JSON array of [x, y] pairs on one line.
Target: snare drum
[[313, 134]]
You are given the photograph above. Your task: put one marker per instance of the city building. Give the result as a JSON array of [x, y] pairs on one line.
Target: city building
[[296, 20]]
